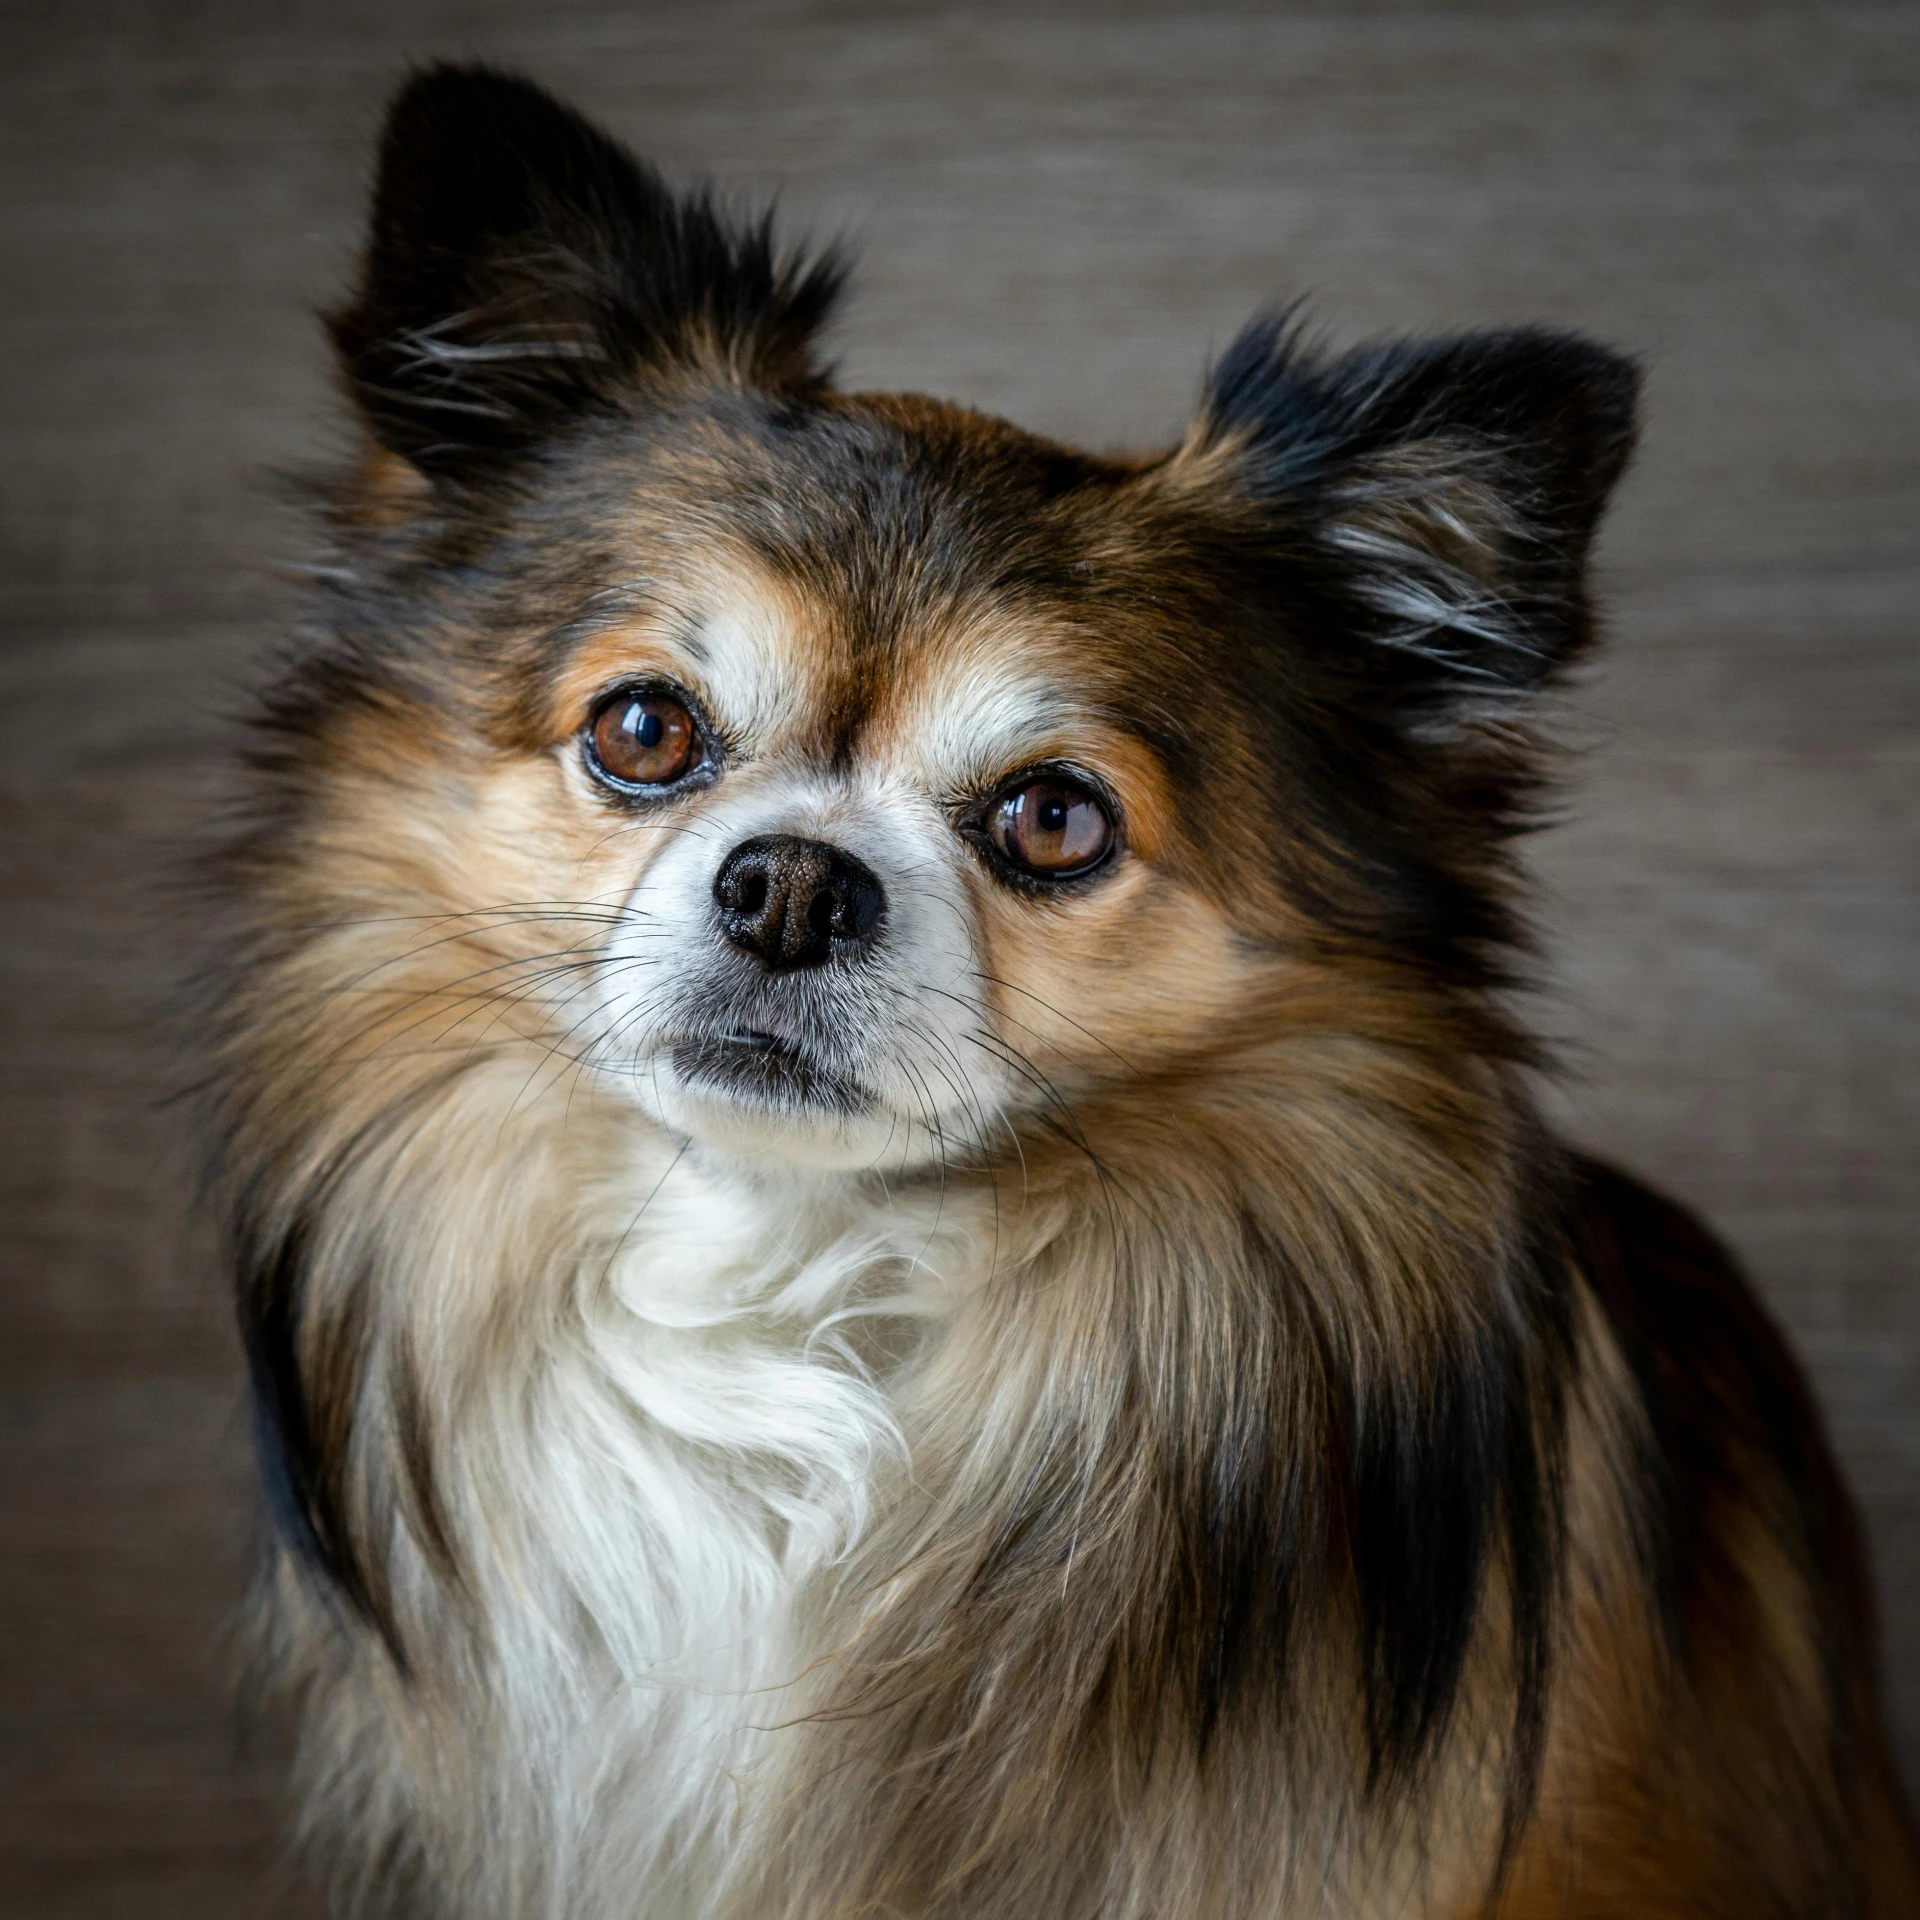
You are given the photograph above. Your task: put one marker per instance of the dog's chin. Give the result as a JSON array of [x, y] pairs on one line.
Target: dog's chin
[[758, 1100]]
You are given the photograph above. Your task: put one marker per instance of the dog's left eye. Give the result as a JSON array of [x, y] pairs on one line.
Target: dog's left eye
[[642, 737], [1051, 828]]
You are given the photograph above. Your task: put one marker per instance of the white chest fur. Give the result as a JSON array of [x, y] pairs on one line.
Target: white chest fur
[[662, 1497]]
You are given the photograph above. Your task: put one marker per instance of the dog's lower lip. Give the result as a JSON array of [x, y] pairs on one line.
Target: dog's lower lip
[[753, 1064]]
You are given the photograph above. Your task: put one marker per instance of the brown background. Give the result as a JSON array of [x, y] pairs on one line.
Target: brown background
[[1063, 210]]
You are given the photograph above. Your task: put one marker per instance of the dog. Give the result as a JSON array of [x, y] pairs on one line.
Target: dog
[[885, 1192]]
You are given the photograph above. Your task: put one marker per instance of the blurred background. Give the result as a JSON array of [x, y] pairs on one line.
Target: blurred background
[[1062, 211]]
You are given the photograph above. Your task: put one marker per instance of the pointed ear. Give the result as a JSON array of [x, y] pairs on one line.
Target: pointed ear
[[523, 271], [1447, 491]]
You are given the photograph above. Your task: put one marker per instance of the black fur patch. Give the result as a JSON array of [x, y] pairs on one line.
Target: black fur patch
[[1417, 1489], [524, 271], [1731, 1420], [301, 1469], [306, 1373], [1538, 424]]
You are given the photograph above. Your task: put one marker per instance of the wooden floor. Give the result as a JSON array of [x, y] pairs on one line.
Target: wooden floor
[[1063, 211]]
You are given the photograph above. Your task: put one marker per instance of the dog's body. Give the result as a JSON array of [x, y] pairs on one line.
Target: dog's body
[[893, 1246]]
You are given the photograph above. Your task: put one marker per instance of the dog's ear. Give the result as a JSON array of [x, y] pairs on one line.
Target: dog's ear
[[523, 271], [1442, 494]]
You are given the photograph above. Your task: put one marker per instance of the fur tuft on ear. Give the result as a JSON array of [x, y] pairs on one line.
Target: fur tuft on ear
[[523, 271], [1452, 487]]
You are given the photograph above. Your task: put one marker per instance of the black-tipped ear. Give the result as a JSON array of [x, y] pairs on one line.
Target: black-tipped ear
[[524, 270], [1450, 489]]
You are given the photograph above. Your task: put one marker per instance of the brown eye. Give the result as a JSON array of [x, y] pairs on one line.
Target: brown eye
[[1051, 827], [643, 738]]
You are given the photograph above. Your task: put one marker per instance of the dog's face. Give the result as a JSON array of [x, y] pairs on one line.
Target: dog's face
[[884, 878], [916, 812], [868, 741], [862, 783]]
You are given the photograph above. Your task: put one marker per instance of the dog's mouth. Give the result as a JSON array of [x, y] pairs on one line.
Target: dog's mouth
[[750, 1064]]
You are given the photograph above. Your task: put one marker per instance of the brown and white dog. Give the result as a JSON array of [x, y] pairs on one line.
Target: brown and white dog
[[884, 1196]]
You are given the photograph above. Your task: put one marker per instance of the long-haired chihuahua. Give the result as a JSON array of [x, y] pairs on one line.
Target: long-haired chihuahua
[[885, 1194]]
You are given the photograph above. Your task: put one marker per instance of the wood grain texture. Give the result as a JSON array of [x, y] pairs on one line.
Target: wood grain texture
[[1062, 210]]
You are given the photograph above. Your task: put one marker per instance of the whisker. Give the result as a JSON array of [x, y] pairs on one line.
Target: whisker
[[995, 980]]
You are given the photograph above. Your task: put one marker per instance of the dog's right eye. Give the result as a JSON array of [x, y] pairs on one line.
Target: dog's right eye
[[642, 737]]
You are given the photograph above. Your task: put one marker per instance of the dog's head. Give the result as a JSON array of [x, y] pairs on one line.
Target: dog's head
[[860, 781]]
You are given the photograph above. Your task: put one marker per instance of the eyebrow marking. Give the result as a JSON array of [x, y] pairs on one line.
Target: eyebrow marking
[[690, 634], [606, 608]]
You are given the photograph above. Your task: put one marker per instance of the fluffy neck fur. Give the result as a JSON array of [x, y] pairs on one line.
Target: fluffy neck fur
[[707, 1532]]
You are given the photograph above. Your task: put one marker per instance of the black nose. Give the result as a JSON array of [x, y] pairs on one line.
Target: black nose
[[797, 902]]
